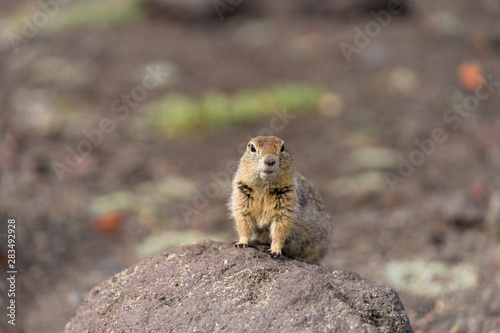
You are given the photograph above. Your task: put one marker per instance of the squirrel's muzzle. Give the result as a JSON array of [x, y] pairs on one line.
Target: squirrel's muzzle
[[269, 165], [270, 160]]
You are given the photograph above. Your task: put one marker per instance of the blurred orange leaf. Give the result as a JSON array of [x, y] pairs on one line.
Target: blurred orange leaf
[[3, 259], [470, 75], [109, 223], [477, 191]]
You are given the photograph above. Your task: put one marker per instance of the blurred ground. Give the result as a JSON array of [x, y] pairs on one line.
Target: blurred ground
[[430, 231]]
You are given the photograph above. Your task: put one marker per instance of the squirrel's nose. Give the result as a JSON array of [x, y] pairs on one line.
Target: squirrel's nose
[[270, 160]]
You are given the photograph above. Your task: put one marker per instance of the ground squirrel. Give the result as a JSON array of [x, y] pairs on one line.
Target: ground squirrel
[[274, 204]]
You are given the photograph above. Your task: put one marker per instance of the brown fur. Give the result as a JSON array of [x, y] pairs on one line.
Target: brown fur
[[272, 203]]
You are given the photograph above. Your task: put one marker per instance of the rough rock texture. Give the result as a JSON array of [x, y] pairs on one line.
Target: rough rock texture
[[216, 287]]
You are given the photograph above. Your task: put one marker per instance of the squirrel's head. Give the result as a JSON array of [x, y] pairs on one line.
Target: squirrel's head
[[267, 156]]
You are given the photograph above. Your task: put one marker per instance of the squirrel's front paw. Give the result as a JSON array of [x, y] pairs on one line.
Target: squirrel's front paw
[[274, 254], [241, 245]]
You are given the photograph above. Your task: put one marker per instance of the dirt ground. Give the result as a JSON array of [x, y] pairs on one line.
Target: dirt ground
[[438, 202]]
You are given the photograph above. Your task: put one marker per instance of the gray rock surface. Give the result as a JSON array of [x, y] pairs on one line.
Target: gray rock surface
[[216, 287]]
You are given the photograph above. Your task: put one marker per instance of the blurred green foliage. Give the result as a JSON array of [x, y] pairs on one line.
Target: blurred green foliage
[[157, 192], [90, 13], [178, 114]]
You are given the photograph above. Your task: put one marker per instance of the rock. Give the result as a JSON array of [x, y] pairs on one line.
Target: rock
[[371, 157], [362, 185], [192, 9], [460, 210], [214, 287], [430, 278], [163, 241], [356, 7], [202, 10], [492, 217]]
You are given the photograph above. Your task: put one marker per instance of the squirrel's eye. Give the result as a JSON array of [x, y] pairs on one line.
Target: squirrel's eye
[[252, 148], [282, 147]]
